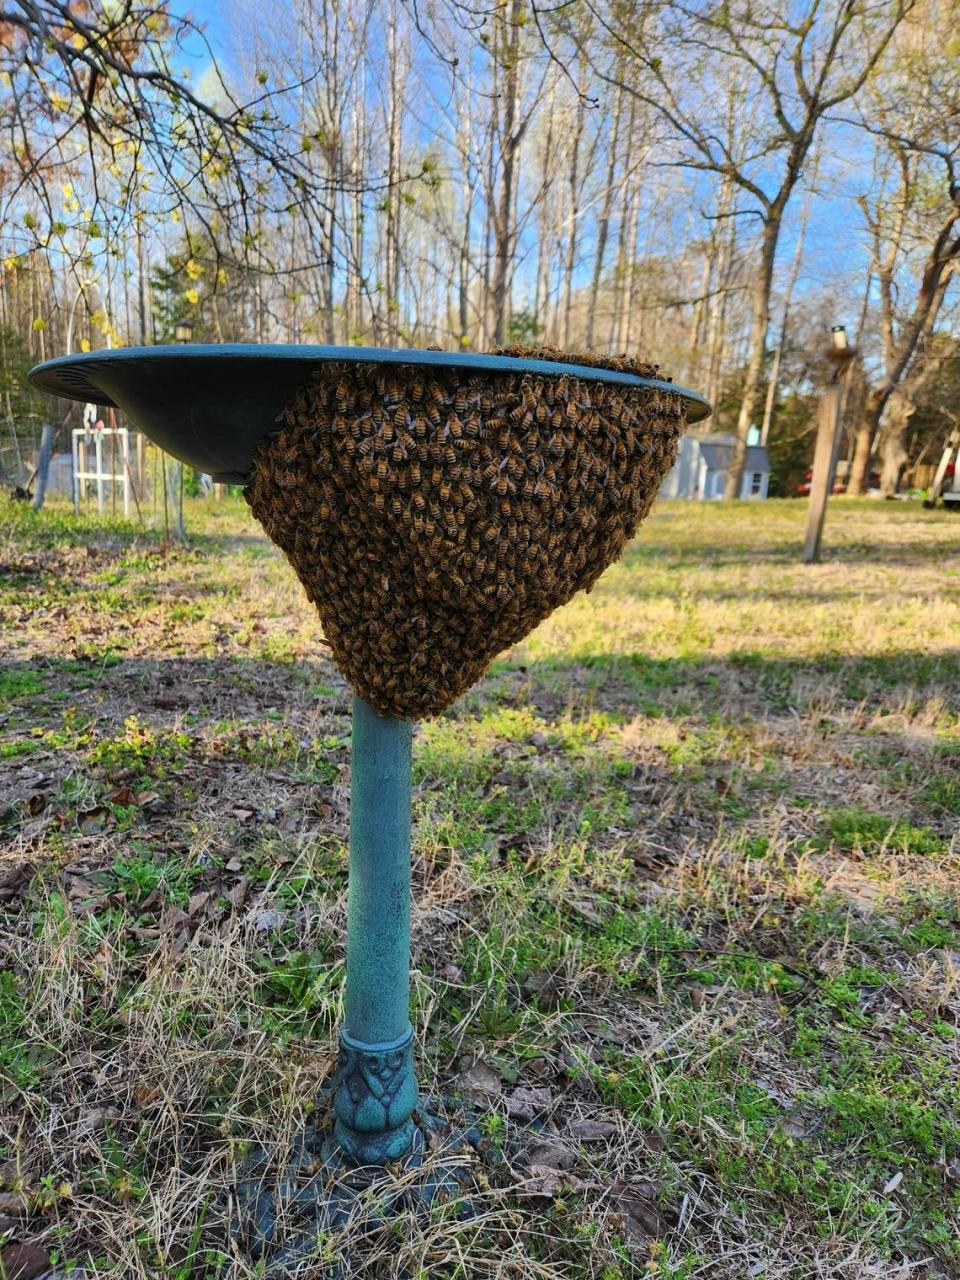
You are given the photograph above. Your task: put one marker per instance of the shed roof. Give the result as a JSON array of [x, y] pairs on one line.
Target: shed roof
[[717, 453]]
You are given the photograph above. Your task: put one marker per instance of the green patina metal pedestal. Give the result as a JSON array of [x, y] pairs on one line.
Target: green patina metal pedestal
[[375, 1092], [210, 406]]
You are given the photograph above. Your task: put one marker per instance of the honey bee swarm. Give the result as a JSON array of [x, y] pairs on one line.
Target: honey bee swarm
[[436, 516]]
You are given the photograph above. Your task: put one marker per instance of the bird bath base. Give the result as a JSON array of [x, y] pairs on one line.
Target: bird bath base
[[376, 1152], [281, 1217], [381, 1153]]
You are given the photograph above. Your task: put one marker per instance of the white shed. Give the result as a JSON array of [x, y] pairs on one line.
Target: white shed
[[700, 470]]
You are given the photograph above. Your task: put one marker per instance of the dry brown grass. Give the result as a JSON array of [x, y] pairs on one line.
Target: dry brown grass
[[686, 860]]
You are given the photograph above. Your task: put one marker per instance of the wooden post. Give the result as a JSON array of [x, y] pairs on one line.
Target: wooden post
[[824, 470], [828, 444]]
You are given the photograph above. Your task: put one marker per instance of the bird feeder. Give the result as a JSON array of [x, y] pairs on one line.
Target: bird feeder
[[436, 507]]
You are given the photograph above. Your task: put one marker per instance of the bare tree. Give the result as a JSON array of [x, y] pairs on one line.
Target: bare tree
[[96, 82], [913, 220], [800, 65]]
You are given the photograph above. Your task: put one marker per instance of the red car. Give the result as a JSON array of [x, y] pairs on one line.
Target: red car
[[839, 480]]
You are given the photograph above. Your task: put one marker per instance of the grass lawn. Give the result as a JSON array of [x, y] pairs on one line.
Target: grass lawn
[[686, 880]]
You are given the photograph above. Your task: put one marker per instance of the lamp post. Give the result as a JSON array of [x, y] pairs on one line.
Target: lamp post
[[841, 354]]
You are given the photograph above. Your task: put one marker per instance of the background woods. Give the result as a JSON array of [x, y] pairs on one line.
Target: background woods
[[712, 185]]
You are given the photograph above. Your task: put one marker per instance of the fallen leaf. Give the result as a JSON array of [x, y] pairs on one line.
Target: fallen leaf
[[592, 1130], [642, 1218], [543, 1183], [479, 1078], [143, 798], [527, 1103], [243, 815], [93, 1121], [80, 888], [123, 796], [198, 901], [23, 1261], [894, 1182], [549, 1155], [12, 1205], [172, 918], [14, 877], [238, 894]]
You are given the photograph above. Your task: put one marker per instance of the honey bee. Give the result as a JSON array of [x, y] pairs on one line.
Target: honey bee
[[381, 468], [460, 402]]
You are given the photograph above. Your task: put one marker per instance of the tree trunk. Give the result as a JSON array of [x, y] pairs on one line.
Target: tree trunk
[[43, 465], [900, 410], [573, 219], [603, 227], [759, 323], [511, 133]]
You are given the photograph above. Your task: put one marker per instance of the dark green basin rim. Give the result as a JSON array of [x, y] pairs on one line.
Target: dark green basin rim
[[74, 376], [210, 406]]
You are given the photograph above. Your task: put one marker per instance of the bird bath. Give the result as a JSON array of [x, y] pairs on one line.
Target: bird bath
[[386, 524]]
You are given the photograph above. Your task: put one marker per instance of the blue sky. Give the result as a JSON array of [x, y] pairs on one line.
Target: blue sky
[[835, 250]]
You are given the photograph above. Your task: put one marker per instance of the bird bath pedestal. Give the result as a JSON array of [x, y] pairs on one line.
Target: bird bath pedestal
[[210, 407]]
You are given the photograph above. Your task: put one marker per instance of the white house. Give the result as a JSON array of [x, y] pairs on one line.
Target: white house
[[700, 470]]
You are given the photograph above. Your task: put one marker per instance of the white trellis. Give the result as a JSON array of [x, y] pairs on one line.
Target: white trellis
[[109, 451]]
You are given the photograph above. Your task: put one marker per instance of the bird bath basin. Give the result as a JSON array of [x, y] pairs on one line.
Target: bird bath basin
[[436, 506]]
